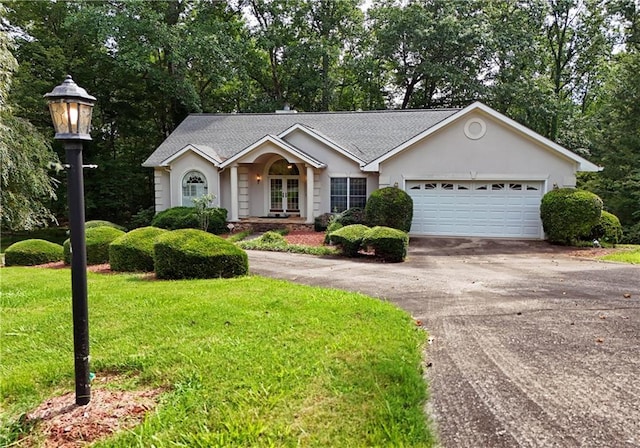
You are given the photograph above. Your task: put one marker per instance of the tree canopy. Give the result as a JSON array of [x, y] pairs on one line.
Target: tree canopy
[[25, 185], [564, 68]]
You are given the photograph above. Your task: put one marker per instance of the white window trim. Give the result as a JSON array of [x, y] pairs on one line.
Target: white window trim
[[182, 181], [348, 194]]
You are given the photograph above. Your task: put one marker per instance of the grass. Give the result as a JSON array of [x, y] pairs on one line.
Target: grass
[[245, 362], [629, 253]]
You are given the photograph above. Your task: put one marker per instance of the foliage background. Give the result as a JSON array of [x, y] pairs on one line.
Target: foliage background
[[565, 68]]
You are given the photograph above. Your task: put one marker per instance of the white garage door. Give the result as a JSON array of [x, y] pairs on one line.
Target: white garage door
[[474, 208]]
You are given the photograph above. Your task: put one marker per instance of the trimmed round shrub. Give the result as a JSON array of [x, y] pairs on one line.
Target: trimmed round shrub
[[387, 243], [187, 218], [97, 240], [349, 238], [608, 229], [217, 220], [142, 218], [192, 253], [335, 225], [32, 252], [354, 215], [177, 218], [389, 207], [567, 214], [320, 223], [102, 223], [134, 251]]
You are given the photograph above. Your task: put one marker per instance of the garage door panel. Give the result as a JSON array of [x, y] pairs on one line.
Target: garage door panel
[[487, 208]]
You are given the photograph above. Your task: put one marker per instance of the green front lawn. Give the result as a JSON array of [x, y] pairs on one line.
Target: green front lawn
[[627, 254], [246, 362]]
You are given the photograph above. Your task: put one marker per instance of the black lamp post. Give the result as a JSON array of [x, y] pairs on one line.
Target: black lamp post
[[71, 107]]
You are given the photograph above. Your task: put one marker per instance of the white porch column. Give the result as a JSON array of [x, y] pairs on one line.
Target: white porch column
[[309, 195], [234, 193]]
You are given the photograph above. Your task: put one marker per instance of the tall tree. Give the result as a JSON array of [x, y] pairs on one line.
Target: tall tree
[[148, 63], [617, 137], [576, 45], [299, 47], [26, 188], [516, 82], [432, 50]]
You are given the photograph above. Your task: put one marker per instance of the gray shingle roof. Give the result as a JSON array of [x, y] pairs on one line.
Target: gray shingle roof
[[366, 135]]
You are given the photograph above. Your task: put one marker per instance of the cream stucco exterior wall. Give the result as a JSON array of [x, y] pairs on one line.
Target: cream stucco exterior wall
[[181, 166], [478, 147], [162, 187]]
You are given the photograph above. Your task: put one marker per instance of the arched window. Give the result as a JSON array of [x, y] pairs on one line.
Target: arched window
[[194, 185], [283, 168]]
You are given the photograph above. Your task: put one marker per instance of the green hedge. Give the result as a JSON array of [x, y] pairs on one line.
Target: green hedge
[[354, 215], [389, 244], [608, 229], [191, 253], [134, 251], [333, 226], [32, 252], [389, 207], [187, 218], [176, 218], [97, 240], [568, 214], [102, 223], [349, 238], [320, 223]]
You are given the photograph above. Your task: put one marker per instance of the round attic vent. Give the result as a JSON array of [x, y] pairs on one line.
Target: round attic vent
[[475, 128]]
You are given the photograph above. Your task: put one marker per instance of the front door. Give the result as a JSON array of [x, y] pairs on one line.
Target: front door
[[284, 195]]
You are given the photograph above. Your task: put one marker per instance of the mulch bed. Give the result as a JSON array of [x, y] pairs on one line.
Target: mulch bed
[[63, 424], [305, 238]]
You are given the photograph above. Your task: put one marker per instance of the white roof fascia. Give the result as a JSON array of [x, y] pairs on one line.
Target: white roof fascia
[[192, 148], [323, 139], [278, 142], [583, 164]]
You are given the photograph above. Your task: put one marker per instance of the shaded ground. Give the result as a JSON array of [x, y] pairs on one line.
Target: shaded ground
[[531, 346]]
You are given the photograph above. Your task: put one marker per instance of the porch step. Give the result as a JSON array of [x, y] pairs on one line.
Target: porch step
[[265, 224]]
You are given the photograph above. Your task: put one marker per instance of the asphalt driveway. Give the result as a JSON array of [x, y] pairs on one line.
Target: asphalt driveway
[[529, 346]]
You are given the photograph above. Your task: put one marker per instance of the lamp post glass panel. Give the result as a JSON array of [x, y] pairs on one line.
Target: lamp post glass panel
[[71, 107]]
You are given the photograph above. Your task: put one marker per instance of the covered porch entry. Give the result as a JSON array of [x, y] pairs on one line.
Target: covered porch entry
[[273, 180]]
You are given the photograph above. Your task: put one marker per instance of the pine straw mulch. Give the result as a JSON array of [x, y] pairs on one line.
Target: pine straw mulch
[[305, 238], [60, 423]]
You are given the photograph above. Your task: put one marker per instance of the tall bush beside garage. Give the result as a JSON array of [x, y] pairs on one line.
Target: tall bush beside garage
[[567, 214], [192, 253], [389, 207], [134, 251]]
